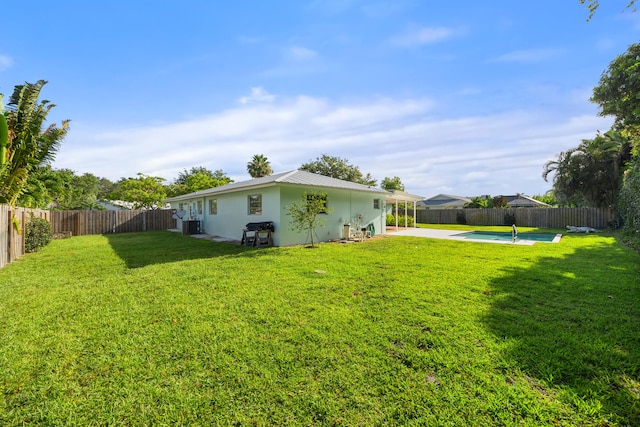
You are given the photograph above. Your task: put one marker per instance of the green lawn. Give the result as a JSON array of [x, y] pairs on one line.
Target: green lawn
[[161, 329]]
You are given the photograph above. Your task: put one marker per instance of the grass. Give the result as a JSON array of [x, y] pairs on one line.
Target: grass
[[161, 329]]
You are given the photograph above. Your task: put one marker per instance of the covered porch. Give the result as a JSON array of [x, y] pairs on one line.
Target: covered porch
[[395, 198]]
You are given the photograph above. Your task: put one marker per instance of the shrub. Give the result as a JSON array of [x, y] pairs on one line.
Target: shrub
[[391, 220], [509, 218], [38, 234], [461, 218], [629, 205]]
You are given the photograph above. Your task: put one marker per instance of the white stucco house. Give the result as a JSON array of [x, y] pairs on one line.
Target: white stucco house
[[225, 211]]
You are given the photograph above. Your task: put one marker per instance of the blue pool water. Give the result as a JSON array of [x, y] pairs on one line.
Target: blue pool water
[[497, 235]]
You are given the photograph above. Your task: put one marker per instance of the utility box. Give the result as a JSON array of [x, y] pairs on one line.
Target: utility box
[[190, 227], [346, 231]]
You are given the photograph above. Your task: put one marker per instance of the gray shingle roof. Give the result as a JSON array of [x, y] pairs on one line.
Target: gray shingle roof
[[295, 177], [444, 200]]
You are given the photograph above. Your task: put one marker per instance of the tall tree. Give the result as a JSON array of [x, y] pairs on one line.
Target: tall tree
[[259, 166], [336, 167], [145, 192], [81, 191], [549, 198], [44, 185], [391, 184], [499, 202], [196, 179], [592, 6], [29, 144], [105, 186], [618, 95], [590, 174], [618, 92], [478, 202]]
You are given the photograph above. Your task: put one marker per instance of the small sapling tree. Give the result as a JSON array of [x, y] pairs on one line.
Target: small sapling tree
[[309, 213]]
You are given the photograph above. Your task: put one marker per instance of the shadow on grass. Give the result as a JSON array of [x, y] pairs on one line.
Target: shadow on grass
[[159, 247], [573, 323]]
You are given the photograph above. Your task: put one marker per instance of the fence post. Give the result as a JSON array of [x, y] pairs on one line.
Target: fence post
[[9, 236], [23, 225]]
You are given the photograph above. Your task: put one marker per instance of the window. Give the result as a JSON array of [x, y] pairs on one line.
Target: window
[[255, 204], [213, 206], [199, 207], [321, 197], [180, 206], [376, 203]]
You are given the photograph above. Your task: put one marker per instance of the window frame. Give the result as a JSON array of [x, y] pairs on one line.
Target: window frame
[[254, 207], [376, 204], [213, 206], [325, 198]]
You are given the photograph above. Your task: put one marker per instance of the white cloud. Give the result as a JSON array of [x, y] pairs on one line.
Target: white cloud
[[258, 94], [493, 154], [5, 62], [296, 61], [529, 55], [303, 53], [419, 35], [244, 39]]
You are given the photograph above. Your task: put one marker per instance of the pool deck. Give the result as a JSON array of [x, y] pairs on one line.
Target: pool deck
[[430, 233], [454, 235]]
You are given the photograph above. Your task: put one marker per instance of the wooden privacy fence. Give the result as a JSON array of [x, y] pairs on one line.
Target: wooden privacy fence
[[79, 223], [12, 231], [524, 217], [75, 223]]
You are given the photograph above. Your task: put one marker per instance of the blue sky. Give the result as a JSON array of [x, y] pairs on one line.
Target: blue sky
[[463, 98]]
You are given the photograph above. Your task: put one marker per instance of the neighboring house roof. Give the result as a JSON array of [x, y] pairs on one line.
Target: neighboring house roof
[[522, 201], [295, 177], [444, 201]]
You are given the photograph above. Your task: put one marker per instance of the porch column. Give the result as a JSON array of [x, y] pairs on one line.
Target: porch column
[[395, 208], [406, 219]]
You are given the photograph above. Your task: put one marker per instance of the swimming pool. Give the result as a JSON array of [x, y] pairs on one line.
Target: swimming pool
[[501, 236]]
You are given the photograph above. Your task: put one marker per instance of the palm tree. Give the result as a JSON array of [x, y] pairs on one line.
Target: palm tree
[[4, 134], [590, 174], [29, 145], [259, 166]]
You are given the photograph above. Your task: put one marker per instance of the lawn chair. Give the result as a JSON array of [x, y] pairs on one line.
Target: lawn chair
[[356, 231]]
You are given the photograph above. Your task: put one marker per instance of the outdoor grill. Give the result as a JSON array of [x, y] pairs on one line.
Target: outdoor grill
[[258, 234], [260, 226]]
